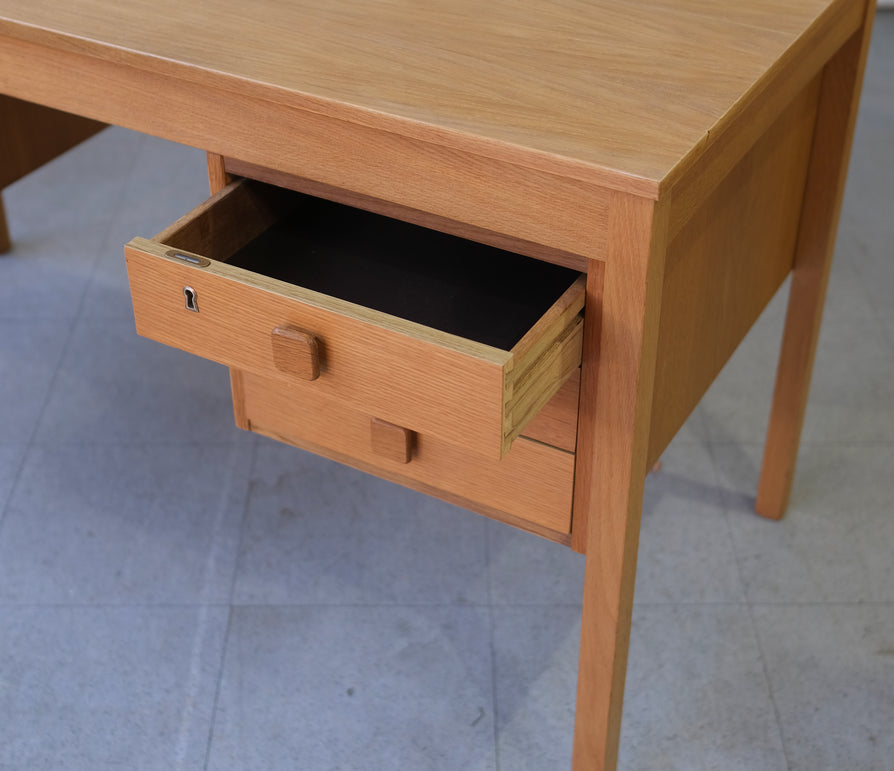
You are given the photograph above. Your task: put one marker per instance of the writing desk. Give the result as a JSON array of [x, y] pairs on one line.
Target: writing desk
[[682, 155]]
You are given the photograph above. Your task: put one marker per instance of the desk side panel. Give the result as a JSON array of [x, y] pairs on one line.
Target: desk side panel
[[726, 263], [31, 135]]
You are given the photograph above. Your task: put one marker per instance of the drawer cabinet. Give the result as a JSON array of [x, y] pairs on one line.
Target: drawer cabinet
[[466, 345], [531, 486]]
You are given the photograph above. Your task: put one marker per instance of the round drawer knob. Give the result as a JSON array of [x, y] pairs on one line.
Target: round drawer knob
[[296, 352]]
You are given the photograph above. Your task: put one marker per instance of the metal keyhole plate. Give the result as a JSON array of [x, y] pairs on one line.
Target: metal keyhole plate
[[192, 300]]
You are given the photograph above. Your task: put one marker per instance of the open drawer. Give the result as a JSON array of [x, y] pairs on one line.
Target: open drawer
[[428, 331]]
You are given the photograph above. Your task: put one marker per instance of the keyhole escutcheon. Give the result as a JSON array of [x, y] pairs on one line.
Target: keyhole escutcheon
[[192, 300]]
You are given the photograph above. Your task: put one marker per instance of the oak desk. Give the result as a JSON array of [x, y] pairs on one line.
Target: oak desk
[[684, 155]]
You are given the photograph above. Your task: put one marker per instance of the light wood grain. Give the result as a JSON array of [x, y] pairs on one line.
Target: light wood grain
[[839, 98], [726, 264], [548, 83], [393, 442], [414, 216], [220, 226], [586, 436], [542, 380], [238, 392], [218, 178], [616, 442], [542, 361], [296, 352], [427, 380], [559, 212], [556, 423], [422, 487], [533, 482], [5, 243], [409, 379], [31, 135], [709, 162], [641, 135]]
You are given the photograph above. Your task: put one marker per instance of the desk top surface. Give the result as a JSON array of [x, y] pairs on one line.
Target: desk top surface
[[634, 87]]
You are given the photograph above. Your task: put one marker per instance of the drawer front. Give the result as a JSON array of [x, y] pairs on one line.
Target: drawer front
[[532, 483], [467, 393]]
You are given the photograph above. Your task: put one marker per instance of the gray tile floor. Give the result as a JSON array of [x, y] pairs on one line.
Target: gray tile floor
[[175, 594]]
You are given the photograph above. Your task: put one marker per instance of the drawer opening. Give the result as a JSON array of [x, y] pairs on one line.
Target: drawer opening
[[441, 281], [421, 329]]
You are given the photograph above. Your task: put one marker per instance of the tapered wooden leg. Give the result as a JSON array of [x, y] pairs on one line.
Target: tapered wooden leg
[[836, 116], [5, 243], [616, 399]]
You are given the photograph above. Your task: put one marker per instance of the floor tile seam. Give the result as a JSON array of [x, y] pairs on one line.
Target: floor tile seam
[[111, 605], [217, 688], [29, 444], [725, 512], [31, 318], [495, 711], [822, 604], [95, 443], [516, 604], [487, 563], [492, 647], [770, 604], [237, 605], [877, 316], [644, 605], [13, 487], [102, 244], [240, 539], [202, 633], [650, 604], [807, 443], [766, 672], [109, 318], [60, 358], [749, 609]]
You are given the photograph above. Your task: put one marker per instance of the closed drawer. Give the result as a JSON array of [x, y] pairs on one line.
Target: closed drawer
[[532, 484], [446, 337]]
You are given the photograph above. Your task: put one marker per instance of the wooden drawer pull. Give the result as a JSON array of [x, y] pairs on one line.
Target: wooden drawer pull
[[391, 441], [296, 352]]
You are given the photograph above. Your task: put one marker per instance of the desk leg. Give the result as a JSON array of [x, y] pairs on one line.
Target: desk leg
[[616, 399], [836, 116], [5, 243]]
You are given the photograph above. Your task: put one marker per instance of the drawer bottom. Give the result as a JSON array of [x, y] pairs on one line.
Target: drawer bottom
[[530, 488]]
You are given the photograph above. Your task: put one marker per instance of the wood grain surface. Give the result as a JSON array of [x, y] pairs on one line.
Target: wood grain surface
[[726, 263], [31, 135], [397, 211], [218, 178], [393, 442], [426, 380], [616, 92], [691, 151], [295, 352], [618, 376], [4, 228], [836, 118], [532, 483], [556, 423]]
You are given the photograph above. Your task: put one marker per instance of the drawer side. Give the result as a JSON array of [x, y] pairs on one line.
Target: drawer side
[[543, 360]]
